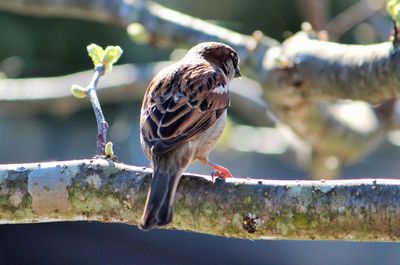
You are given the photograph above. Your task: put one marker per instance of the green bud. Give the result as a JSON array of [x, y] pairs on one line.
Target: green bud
[[96, 53], [390, 6], [111, 56], [108, 149], [397, 14], [78, 91], [393, 8]]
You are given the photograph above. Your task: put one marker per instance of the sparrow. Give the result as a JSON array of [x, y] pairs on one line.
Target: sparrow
[[183, 115]]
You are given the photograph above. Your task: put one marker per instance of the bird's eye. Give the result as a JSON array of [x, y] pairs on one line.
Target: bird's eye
[[234, 57]]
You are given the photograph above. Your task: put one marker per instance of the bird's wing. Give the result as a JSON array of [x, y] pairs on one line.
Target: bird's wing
[[181, 102]]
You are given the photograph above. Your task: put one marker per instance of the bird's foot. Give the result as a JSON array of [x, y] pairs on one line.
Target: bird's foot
[[220, 171]]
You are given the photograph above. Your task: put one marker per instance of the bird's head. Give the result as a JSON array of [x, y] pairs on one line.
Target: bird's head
[[220, 55]]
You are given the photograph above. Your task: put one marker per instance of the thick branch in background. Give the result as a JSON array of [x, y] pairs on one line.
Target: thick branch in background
[[53, 95], [178, 28], [166, 26], [101, 190], [322, 70], [126, 83]]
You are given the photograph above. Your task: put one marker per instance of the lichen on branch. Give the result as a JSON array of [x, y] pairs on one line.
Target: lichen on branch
[[105, 191]]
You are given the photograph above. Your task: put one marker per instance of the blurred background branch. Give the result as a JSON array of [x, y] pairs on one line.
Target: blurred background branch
[[315, 12], [353, 16], [52, 95]]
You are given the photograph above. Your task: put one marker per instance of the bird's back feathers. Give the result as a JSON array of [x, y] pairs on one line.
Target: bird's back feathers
[[187, 100]]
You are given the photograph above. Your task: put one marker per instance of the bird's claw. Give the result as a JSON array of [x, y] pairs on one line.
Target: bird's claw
[[220, 171], [221, 174], [216, 174]]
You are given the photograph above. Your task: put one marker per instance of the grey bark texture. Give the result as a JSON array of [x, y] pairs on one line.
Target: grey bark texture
[[105, 191]]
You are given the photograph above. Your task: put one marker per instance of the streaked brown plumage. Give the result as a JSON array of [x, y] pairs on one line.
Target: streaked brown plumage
[[183, 115]]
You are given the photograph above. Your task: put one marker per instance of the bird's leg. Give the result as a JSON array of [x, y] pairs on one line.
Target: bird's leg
[[220, 171]]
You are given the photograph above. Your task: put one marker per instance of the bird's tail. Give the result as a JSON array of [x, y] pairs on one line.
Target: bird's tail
[[158, 209]]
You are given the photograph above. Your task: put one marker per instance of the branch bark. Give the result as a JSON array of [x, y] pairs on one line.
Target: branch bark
[[322, 70], [318, 73], [105, 191]]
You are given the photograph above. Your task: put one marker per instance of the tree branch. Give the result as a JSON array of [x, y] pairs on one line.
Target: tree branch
[[101, 190], [166, 25], [316, 73], [321, 70], [126, 83], [53, 95]]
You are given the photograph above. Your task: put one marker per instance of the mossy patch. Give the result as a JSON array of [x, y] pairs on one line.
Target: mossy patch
[[90, 201], [301, 220]]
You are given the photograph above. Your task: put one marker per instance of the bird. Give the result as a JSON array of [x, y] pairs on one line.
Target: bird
[[182, 117]]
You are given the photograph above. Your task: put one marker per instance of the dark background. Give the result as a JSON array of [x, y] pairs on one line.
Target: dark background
[[39, 47]]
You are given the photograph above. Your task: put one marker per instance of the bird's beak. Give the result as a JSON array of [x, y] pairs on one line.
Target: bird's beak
[[237, 72]]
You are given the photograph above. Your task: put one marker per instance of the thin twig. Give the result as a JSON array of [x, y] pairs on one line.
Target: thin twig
[[396, 41], [102, 125]]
